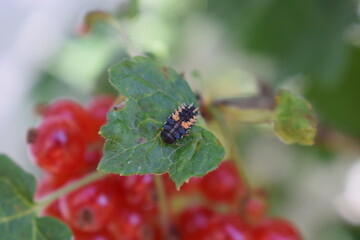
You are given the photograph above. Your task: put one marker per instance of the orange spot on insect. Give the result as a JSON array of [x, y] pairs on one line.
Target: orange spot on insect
[[193, 120], [175, 116], [185, 125]]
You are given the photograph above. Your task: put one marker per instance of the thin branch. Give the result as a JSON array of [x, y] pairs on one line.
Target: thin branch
[[46, 201], [92, 17], [128, 45], [162, 205], [265, 99]]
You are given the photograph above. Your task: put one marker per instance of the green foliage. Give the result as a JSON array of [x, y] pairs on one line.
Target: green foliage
[[303, 37], [130, 9], [133, 143], [18, 218], [308, 40], [336, 98], [295, 121], [298, 35]]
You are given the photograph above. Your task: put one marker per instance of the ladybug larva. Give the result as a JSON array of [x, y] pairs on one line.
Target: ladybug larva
[[179, 123]]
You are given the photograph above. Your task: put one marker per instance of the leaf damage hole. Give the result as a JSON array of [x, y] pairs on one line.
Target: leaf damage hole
[[119, 106]]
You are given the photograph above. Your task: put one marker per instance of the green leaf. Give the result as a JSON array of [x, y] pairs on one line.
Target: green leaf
[[308, 38], [18, 218], [298, 36], [336, 98], [295, 121], [133, 143]]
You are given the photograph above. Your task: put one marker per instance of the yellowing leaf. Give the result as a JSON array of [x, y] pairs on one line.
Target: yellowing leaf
[[295, 121]]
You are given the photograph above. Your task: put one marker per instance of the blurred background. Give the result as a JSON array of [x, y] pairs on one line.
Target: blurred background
[[224, 48]]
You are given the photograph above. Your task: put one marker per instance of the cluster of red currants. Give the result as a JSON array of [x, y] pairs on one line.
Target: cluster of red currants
[[67, 146], [228, 210]]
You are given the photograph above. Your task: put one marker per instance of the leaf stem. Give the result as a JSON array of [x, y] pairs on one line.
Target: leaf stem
[[46, 201], [92, 17], [265, 99], [255, 115], [128, 45], [162, 205]]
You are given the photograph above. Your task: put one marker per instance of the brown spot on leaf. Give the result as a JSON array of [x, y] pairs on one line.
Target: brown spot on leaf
[[165, 71], [140, 140], [19, 207]]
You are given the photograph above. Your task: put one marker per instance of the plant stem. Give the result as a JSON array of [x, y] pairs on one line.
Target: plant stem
[[162, 204], [229, 137], [128, 45], [256, 115], [44, 202], [92, 17], [265, 99]]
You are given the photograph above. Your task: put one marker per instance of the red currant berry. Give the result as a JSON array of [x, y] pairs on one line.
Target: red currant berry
[[53, 210], [70, 110], [88, 208], [93, 155], [192, 220], [100, 235], [276, 229], [223, 227], [116, 182], [192, 185], [223, 184], [131, 224], [97, 111], [50, 183], [58, 146], [47, 185], [255, 207], [189, 187], [140, 192]]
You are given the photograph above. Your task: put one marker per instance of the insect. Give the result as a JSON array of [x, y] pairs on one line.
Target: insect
[[179, 123]]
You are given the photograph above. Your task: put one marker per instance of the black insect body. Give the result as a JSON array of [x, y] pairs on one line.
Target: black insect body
[[179, 123]]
